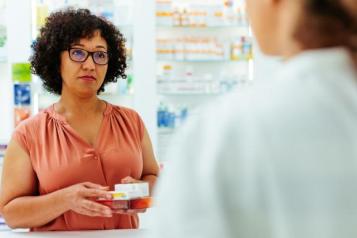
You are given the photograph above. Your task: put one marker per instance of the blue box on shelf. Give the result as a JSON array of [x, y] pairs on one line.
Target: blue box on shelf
[[22, 94]]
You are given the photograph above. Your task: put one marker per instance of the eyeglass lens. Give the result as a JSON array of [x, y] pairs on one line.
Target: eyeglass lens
[[80, 55]]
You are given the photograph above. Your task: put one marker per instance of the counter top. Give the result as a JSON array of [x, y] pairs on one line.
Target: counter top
[[87, 234]]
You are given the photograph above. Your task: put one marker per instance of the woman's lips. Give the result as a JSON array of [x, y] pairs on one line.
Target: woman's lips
[[87, 78]]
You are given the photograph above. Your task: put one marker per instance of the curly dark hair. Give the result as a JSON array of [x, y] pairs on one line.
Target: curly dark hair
[[66, 27]]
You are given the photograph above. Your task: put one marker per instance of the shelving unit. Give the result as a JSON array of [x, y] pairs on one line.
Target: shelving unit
[[204, 50]]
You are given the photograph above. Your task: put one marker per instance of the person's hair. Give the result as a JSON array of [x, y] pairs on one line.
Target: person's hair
[[328, 23], [61, 30]]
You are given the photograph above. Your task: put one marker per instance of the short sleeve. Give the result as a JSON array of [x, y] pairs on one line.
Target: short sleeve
[[139, 123], [22, 136]]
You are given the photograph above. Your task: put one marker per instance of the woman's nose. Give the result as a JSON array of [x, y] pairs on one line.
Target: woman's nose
[[89, 63]]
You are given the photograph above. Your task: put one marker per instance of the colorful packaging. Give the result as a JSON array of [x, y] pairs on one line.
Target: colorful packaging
[[20, 114], [22, 94], [129, 196]]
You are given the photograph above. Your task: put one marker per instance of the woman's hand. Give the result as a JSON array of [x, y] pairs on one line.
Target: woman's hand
[[129, 179], [79, 198]]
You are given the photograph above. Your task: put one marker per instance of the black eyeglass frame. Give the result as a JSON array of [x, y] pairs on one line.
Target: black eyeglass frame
[[89, 53]]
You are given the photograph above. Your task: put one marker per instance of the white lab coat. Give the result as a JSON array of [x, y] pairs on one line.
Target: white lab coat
[[278, 160]]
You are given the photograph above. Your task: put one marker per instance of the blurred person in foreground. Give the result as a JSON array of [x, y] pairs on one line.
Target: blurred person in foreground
[[280, 159], [65, 157]]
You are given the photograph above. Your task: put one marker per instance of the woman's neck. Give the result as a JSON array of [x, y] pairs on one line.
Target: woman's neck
[[72, 105]]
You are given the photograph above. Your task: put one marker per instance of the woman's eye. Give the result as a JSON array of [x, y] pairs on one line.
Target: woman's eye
[[78, 53], [101, 54]]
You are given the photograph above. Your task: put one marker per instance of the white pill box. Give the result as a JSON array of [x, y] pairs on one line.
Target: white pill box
[[129, 196]]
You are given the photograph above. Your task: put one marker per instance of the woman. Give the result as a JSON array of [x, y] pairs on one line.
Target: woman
[[61, 160], [281, 160]]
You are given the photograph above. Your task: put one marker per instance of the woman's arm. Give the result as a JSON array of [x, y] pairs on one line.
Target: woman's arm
[[23, 208], [149, 174], [150, 166]]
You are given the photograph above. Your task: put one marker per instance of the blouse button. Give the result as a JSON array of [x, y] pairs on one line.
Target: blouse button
[[96, 156]]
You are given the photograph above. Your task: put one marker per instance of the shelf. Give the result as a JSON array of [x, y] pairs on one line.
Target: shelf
[[106, 95], [166, 130], [188, 87], [204, 61], [185, 94], [223, 27]]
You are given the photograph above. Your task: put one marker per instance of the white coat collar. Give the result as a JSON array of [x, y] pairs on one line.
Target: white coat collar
[[310, 61]]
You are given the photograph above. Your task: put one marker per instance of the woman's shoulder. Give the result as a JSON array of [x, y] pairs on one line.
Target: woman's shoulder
[[131, 118], [123, 111]]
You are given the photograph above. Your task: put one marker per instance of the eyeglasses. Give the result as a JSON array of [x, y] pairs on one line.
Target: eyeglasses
[[81, 55]]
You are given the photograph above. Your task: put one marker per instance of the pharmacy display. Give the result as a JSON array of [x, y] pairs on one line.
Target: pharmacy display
[[21, 77], [204, 50]]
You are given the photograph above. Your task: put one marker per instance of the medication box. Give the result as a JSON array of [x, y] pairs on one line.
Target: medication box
[[129, 196]]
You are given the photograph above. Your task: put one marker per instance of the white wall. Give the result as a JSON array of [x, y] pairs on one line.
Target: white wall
[[144, 65]]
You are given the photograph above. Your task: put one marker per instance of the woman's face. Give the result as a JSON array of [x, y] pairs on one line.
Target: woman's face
[[84, 78]]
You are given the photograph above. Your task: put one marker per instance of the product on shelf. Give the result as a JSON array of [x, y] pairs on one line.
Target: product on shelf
[[20, 114], [192, 49], [22, 102], [204, 49], [21, 76], [241, 49], [200, 14], [170, 117], [42, 13], [22, 94], [164, 13]]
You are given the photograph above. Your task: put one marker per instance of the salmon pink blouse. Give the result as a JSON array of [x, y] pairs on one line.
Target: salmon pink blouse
[[61, 158]]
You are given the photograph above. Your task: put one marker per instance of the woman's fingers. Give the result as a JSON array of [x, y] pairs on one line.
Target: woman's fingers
[[96, 209], [96, 193]]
